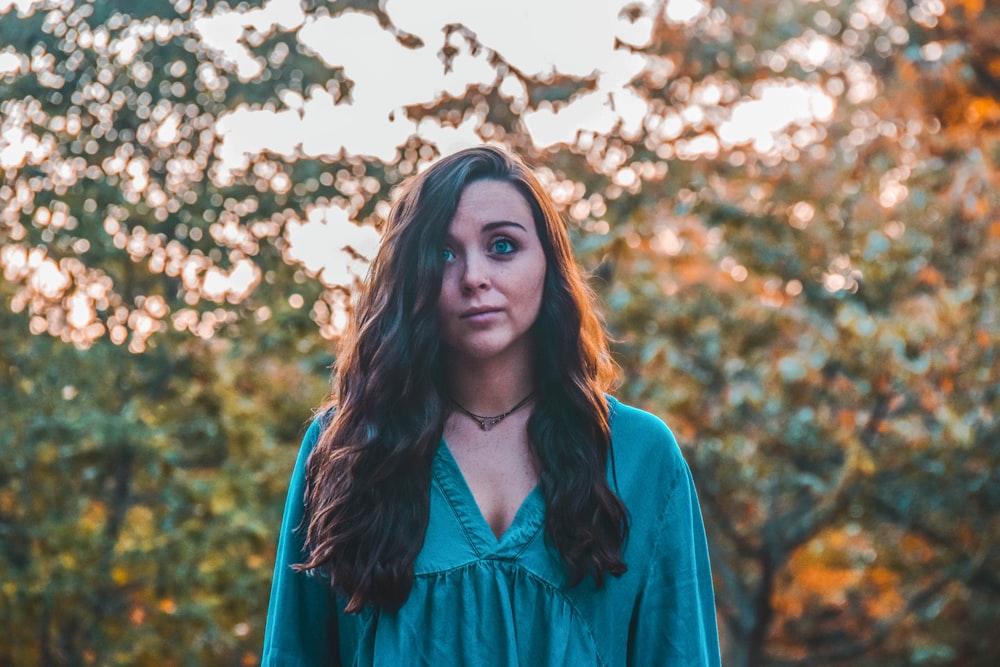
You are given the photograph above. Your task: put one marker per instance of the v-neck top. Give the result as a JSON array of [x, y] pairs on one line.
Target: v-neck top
[[482, 600]]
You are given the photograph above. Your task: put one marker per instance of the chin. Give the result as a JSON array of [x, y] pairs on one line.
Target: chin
[[480, 353], [484, 350]]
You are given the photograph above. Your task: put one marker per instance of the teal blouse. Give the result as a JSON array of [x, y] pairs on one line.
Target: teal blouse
[[479, 600]]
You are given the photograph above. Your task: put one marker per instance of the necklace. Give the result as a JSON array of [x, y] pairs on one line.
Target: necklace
[[486, 423]]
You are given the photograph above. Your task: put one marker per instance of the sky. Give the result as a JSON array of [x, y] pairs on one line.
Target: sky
[[567, 37], [536, 38]]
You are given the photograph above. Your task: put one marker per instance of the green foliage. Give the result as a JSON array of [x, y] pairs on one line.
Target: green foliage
[[139, 495]]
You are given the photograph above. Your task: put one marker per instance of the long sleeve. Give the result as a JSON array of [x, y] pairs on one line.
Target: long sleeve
[[674, 621], [301, 618]]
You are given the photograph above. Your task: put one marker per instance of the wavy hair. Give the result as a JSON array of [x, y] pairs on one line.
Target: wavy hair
[[368, 479]]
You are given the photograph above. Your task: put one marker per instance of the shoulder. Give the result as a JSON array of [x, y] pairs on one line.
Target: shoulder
[[637, 428], [643, 446], [314, 429]]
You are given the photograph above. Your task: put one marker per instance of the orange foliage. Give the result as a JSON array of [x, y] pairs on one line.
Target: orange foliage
[[137, 615], [824, 566], [916, 548], [94, 517], [930, 276], [930, 400], [962, 12], [973, 7], [828, 583], [908, 71], [833, 569], [8, 502], [967, 536], [685, 429], [885, 600]]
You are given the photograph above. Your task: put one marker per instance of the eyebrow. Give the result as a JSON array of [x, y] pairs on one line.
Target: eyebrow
[[490, 226]]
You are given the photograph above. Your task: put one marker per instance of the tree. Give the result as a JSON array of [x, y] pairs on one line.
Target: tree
[[823, 328]]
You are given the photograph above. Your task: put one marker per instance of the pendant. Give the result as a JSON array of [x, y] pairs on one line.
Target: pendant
[[487, 424]]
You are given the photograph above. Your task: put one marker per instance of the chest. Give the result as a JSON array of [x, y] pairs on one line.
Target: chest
[[499, 471]]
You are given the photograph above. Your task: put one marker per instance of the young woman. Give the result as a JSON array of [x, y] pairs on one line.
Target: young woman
[[470, 495]]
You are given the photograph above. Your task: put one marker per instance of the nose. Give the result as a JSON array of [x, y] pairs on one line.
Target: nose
[[476, 275]]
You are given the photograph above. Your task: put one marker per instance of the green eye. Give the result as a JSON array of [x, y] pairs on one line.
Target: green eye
[[504, 246], [447, 255]]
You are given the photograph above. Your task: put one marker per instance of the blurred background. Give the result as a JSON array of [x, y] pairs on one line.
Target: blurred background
[[790, 210]]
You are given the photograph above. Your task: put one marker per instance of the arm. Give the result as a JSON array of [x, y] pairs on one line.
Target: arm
[[674, 618], [301, 619]]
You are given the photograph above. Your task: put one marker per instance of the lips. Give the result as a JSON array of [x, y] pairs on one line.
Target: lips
[[477, 313]]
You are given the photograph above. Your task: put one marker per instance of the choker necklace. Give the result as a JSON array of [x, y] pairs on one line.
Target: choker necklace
[[486, 423]]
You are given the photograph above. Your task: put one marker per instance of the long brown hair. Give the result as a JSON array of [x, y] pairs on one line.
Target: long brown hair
[[368, 478]]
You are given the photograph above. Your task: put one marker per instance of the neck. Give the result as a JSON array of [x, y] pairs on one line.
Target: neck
[[490, 387]]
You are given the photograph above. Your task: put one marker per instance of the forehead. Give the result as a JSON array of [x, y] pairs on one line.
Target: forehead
[[483, 202]]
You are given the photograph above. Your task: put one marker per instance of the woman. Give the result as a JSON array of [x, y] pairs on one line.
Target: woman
[[471, 496]]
